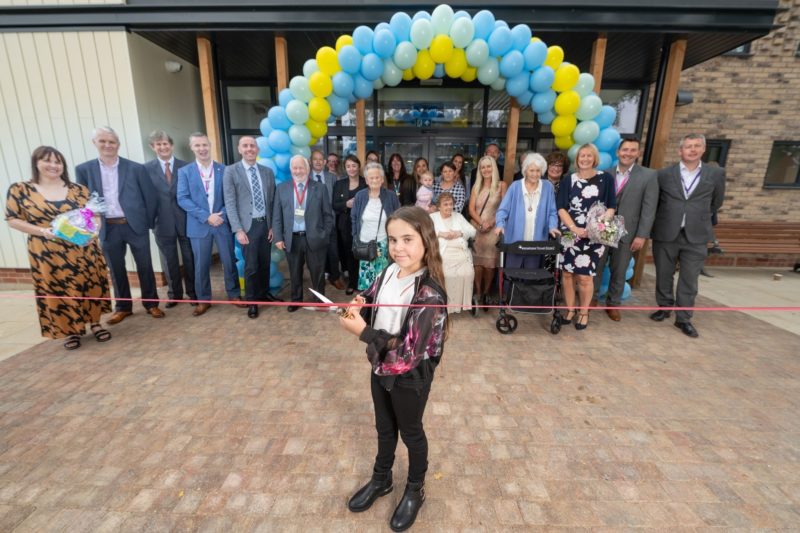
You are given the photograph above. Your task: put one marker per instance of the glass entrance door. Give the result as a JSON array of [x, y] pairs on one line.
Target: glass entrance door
[[435, 148]]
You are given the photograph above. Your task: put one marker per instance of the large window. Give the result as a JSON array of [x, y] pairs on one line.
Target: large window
[[245, 104], [430, 107], [627, 102], [783, 169], [716, 151]]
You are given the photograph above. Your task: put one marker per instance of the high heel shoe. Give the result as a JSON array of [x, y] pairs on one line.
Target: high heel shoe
[[564, 320], [578, 325]]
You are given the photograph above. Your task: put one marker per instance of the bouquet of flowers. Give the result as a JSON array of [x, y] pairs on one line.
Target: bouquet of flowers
[[77, 226], [602, 230]]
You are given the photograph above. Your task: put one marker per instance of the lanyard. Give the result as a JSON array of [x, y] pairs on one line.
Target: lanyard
[[297, 194], [625, 177], [206, 180], [691, 184]]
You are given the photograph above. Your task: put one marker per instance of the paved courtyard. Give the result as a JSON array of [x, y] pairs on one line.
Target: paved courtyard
[[220, 423]]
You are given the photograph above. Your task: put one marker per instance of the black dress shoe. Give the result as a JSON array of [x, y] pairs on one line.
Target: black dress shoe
[[252, 311], [687, 329], [293, 308], [170, 305], [379, 485], [406, 511], [660, 315]]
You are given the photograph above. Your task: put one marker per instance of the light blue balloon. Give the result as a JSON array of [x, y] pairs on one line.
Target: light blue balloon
[[297, 112], [604, 119], [614, 161], [499, 41], [512, 64], [310, 67], [372, 67], [392, 74], [339, 104], [269, 163], [585, 84], [284, 97], [299, 135], [363, 87], [405, 55], [378, 84], [543, 102], [352, 99], [382, 26], [420, 15], [279, 141], [586, 132], [535, 53], [605, 160], [477, 53], [384, 43], [277, 256], [542, 79], [305, 151], [350, 58], [590, 107], [501, 24], [547, 117], [462, 31], [283, 175], [520, 37], [421, 33], [400, 23], [278, 119], [300, 90], [607, 140], [572, 153], [438, 71], [499, 84], [282, 159], [275, 279], [629, 270], [265, 126], [484, 24], [343, 84], [526, 97], [362, 40], [461, 14], [441, 19], [489, 71], [626, 291], [517, 85]]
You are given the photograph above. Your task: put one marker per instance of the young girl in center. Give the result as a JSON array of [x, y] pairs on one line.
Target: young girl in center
[[425, 191], [404, 347]]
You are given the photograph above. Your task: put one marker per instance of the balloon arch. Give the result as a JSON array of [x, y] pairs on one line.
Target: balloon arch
[[437, 44]]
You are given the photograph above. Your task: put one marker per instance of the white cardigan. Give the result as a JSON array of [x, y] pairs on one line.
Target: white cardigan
[[459, 223]]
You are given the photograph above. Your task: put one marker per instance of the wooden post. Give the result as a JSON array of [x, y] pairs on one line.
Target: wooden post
[[208, 84], [666, 112], [361, 131], [512, 134], [598, 60], [281, 63]]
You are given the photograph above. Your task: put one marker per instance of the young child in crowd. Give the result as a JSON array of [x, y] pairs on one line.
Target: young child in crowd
[[425, 191]]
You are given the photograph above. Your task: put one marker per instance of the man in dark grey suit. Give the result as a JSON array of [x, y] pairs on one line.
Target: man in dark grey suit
[[637, 197], [321, 175], [170, 227], [302, 223], [130, 214], [249, 193], [689, 193]]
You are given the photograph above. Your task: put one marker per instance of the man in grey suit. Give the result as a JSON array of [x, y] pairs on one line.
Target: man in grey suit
[[321, 175], [637, 197], [302, 223], [689, 194], [170, 226], [249, 193], [130, 214]]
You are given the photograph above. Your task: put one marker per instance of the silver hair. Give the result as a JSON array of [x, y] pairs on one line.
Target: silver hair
[[159, 135], [372, 165], [305, 161], [692, 136], [534, 159], [104, 129]]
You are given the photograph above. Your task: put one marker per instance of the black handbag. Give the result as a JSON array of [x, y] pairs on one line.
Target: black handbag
[[368, 251]]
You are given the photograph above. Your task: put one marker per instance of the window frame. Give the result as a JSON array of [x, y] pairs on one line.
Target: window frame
[[796, 184]]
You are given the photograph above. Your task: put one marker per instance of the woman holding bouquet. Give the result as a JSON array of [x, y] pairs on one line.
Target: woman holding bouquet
[[58, 267], [580, 257]]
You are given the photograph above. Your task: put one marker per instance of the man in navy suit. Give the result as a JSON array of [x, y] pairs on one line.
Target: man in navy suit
[[130, 213], [170, 227], [200, 194], [321, 175]]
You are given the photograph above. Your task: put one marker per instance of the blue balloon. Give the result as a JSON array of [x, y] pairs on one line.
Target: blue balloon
[[518, 85], [607, 141], [500, 24], [500, 41], [371, 67], [352, 99], [512, 64], [363, 87], [606, 117], [339, 104], [526, 97], [362, 40], [269, 163], [626, 291], [384, 42], [438, 71], [284, 97], [542, 79], [279, 141], [400, 24], [278, 119], [547, 117], [282, 160], [265, 126], [282, 175], [460, 14], [263, 147], [275, 279], [382, 26], [543, 102], [350, 58], [629, 271], [535, 53], [605, 160], [421, 15], [484, 24], [520, 37], [343, 84]]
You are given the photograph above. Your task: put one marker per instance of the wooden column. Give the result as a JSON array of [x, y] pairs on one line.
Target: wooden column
[[512, 134], [361, 131], [208, 84], [598, 60], [666, 112], [281, 63]]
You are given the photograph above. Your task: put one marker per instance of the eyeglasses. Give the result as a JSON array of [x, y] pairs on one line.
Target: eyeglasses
[[556, 165]]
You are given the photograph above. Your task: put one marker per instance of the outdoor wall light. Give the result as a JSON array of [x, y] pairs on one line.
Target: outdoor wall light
[[173, 67]]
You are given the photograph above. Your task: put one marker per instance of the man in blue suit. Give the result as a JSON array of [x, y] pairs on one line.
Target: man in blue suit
[[131, 206], [200, 194]]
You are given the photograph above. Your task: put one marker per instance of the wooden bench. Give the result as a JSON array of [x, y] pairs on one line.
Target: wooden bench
[[774, 244]]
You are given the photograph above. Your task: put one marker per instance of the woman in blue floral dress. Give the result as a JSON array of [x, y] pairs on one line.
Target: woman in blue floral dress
[[579, 259]]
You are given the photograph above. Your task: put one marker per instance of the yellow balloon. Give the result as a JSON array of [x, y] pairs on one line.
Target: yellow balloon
[[408, 74], [563, 125], [470, 74], [328, 60], [441, 48], [567, 103], [566, 78], [320, 84], [319, 109], [343, 40], [424, 67], [317, 129], [535, 39], [563, 143], [457, 64], [313, 141], [555, 56]]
